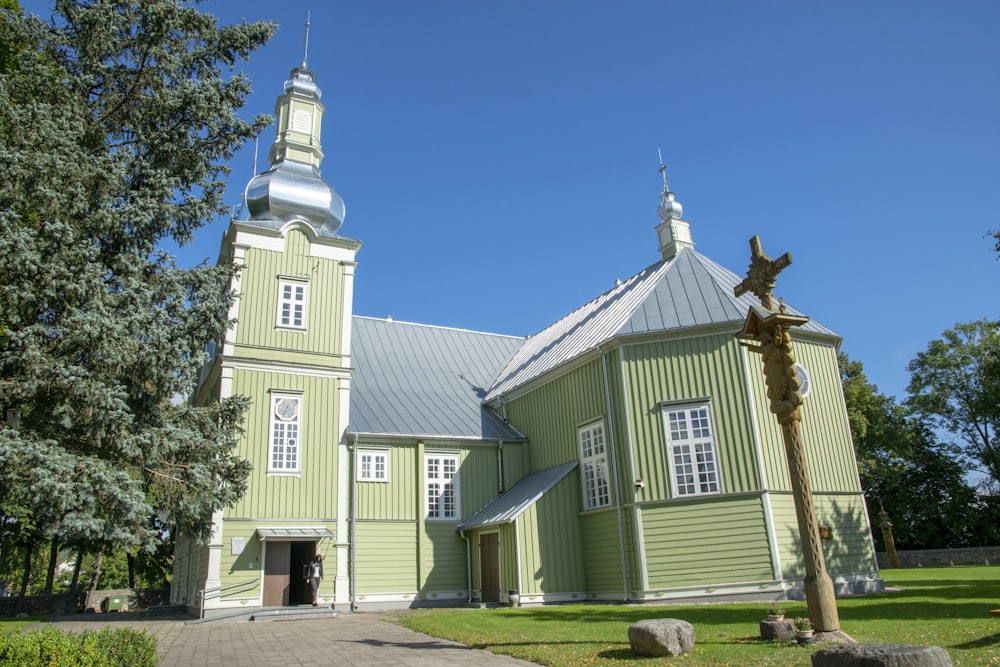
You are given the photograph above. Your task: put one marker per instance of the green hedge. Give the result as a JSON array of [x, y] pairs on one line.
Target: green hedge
[[119, 647]]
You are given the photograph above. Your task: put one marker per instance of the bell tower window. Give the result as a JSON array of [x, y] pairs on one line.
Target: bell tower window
[[292, 301]]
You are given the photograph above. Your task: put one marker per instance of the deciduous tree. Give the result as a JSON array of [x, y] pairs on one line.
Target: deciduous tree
[[904, 469], [955, 386]]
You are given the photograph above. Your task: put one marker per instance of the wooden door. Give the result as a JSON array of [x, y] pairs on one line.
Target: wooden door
[[277, 568], [489, 566]]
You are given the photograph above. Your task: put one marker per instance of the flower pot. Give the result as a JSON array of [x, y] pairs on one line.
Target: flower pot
[[775, 617], [804, 636]]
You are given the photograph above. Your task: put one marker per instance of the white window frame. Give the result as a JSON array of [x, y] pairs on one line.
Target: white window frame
[[297, 299], [373, 465], [692, 449], [284, 457], [594, 472], [441, 490]]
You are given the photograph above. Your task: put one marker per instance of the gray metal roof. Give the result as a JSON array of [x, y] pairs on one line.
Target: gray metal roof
[[518, 498], [688, 290], [419, 380]]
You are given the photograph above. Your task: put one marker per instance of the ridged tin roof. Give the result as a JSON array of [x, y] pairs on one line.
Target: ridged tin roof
[[689, 290], [518, 498], [419, 380]]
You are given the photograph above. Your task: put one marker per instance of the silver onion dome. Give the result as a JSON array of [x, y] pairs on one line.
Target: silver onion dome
[[295, 191], [670, 208]]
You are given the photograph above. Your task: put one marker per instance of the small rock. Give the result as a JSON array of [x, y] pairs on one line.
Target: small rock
[[777, 630], [881, 655], [657, 637]]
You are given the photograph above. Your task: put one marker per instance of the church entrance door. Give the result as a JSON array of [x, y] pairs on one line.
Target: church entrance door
[[286, 565]]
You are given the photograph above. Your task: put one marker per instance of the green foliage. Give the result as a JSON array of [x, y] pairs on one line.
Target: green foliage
[[955, 386], [121, 647], [919, 481], [116, 124], [946, 607]]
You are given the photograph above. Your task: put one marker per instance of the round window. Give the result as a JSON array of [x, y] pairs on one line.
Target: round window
[[805, 384]]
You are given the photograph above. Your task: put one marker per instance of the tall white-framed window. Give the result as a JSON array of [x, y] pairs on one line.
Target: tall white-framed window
[[373, 465], [441, 486], [694, 466], [292, 295], [594, 466], [286, 433]]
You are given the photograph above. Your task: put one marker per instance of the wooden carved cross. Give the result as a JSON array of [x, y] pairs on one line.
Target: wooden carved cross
[[762, 273]]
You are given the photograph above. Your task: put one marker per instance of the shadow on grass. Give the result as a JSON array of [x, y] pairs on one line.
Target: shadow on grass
[[982, 642]]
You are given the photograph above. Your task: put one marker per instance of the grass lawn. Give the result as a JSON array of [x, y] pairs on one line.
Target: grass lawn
[[946, 607], [15, 624]]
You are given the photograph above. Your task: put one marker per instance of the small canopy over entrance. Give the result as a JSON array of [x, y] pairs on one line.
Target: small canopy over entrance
[[296, 533]]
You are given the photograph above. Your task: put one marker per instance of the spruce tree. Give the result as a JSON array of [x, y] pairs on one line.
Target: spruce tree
[[117, 120]]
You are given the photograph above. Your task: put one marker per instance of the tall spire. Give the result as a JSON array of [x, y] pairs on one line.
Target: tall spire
[[673, 232], [293, 189]]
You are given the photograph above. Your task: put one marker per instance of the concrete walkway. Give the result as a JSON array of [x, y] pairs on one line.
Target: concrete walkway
[[360, 639]]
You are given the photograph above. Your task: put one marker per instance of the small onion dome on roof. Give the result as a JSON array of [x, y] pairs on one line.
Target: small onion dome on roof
[[670, 208]]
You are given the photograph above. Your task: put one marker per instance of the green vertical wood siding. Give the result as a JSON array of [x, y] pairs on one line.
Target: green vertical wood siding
[[679, 370], [706, 541], [442, 559], [516, 463], [509, 559], [313, 492], [400, 497], [825, 430], [324, 310], [850, 550], [386, 557], [602, 560], [552, 555], [550, 414], [478, 478]]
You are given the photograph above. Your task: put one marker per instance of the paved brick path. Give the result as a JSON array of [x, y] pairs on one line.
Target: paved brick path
[[362, 639]]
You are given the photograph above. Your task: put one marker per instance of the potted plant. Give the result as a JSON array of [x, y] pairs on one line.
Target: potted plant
[[803, 630], [775, 613]]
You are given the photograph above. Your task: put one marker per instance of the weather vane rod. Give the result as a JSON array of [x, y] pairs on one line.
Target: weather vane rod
[[305, 50]]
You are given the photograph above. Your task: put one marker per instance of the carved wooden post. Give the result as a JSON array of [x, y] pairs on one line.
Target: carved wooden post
[[769, 329], [890, 541]]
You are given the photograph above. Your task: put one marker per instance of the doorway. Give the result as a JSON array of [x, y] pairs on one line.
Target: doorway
[[286, 565], [489, 566]]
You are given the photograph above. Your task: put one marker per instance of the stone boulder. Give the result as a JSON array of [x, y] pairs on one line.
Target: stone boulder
[[657, 637], [881, 655], [777, 631]]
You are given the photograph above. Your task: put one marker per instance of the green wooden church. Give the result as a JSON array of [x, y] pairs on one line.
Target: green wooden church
[[624, 453]]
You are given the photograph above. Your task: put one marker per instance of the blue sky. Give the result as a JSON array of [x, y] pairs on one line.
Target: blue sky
[[499, 159]]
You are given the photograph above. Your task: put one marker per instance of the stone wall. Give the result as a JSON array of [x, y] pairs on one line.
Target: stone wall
[[69, 603], [137, 599], [943, 557], [38, 605]]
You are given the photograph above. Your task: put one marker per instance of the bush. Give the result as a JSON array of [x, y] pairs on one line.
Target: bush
[[120, 647]]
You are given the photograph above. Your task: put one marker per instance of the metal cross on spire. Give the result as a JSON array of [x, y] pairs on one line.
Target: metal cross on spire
[[305, 50], [762, 273], [663, 171]]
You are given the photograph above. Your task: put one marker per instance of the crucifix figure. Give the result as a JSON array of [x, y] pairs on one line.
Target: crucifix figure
[[762, 273], [769, 331]]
